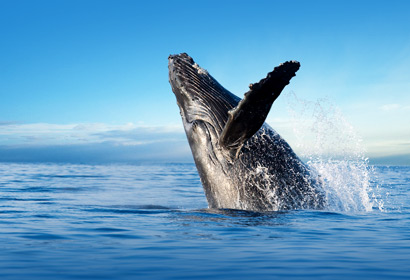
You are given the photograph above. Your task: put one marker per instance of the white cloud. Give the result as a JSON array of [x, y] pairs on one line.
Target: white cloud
[[390, 107], [63, 134], [92, 143], [387, 147]]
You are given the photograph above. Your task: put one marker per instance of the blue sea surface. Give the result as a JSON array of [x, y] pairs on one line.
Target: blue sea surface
[[150, 221]]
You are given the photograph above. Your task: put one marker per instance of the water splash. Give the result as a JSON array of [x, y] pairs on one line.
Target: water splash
[[333, 149]]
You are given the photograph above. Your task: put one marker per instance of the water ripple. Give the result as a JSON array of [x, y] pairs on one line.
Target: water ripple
[[152, 222]]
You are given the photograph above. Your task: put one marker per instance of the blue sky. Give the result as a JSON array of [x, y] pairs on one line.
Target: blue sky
[[89, 79]]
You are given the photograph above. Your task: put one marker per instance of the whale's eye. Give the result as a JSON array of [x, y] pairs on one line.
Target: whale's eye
[[194, 124]]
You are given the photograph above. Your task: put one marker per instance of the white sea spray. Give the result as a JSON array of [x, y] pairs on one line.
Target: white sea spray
[[331, 147]]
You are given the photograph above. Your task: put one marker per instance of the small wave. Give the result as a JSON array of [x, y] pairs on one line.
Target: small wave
[[109, 229], [12, 211], [130, 209], [230, 217], [9, 198], [49, 189], [68, 176], [43, 236]]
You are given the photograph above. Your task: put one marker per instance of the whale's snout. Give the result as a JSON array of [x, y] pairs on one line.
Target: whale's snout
[[175, 66]]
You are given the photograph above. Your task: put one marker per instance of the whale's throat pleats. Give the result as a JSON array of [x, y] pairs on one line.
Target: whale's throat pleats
[[210, 102]]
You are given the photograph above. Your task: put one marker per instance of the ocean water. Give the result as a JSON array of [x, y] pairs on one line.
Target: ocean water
[[65, 221]]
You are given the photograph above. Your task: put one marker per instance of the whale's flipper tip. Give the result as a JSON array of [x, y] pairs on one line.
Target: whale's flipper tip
[[276, 80], [250, 114]]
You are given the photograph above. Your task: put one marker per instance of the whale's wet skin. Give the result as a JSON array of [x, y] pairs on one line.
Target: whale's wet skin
[[242, 162]]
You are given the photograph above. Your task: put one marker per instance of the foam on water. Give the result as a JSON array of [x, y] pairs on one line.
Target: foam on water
[[333, 149]]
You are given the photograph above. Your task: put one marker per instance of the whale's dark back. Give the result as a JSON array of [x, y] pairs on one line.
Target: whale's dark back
[[273, 177]]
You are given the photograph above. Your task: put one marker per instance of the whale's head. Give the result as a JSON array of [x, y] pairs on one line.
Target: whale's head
[[201, 99]]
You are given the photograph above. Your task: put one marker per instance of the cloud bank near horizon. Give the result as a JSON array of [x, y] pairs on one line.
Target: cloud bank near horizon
[[92, 143], [127, 143]]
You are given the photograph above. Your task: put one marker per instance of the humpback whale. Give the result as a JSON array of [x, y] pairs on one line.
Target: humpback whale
[[242, 162]]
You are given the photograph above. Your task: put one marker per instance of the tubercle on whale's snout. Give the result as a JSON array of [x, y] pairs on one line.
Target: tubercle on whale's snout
[[176, 65], [181, 66], [180, 59]]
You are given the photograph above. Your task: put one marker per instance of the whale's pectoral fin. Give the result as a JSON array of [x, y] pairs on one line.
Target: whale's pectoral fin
[[248, 117]]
